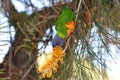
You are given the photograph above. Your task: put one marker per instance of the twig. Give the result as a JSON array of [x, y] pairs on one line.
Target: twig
[[24, 33], [29, 69], [10, 63], [10, 55], [55, 10], [78, 11]]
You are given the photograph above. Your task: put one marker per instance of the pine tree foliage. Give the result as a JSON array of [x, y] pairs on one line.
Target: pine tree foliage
[[96, 27]]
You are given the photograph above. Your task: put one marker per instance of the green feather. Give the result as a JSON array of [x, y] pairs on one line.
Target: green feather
[[66, 15]]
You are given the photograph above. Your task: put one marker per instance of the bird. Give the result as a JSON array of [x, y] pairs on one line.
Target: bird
[[64, 26]]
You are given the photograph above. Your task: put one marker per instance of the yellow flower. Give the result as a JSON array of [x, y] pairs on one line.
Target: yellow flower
[[48, 63]]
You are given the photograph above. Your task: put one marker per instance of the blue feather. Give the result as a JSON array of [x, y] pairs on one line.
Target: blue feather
[[57, 41]]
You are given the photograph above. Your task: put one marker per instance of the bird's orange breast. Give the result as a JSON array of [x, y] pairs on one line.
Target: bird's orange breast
[[70, 26]]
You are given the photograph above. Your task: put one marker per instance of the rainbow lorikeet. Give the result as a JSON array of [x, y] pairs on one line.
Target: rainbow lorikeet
[[64, 26], [48, 63]]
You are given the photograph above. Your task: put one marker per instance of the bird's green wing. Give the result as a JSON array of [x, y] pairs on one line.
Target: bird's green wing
[[66, 15]]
